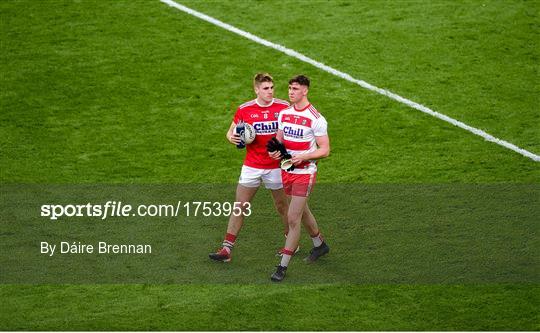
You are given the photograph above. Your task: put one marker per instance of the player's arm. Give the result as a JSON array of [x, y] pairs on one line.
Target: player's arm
[[322, 151], [232, 136]]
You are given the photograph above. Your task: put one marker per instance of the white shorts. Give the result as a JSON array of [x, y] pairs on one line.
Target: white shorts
[[251, 177]]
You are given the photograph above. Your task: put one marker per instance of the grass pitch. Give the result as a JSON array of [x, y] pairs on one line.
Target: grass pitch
[[138, 93]]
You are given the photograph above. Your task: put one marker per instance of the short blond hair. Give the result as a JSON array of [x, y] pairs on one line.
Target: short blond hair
[[262, 77]]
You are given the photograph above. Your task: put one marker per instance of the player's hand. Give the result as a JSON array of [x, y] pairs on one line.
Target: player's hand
[[234, 139], [298, 159], [276, 155]]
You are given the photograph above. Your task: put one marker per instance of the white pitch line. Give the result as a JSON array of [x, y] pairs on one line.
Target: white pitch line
[[349, 78]]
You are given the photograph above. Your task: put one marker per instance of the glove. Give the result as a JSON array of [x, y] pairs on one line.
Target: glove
[[240, 131], [273, 145]]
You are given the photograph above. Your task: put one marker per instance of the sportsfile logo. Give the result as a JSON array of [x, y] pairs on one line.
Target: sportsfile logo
[[266, 127]]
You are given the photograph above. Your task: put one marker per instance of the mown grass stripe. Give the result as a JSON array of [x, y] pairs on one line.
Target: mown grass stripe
[[348, 77]]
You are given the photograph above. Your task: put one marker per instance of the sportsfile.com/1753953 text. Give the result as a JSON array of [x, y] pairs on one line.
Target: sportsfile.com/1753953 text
[[119, 209]]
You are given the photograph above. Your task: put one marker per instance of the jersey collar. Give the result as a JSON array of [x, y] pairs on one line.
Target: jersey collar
[[300, 110], [264, 106]]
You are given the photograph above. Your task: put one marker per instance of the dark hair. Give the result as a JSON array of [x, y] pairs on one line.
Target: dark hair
[[262, 77], [301, 80]]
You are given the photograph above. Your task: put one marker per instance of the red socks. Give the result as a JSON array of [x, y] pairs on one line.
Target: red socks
[[228, 243]]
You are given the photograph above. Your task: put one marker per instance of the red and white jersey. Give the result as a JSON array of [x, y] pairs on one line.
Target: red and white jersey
[[264, 120], [300, 127]]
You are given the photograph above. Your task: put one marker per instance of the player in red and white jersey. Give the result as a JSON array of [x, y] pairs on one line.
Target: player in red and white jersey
[[264, 119], [262, 113], [300, 128], [303, 131]]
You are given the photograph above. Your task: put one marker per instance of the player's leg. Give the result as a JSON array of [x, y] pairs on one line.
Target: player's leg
[[320, 247], [309, 222], [273, 181], [244, 195], [294, 217], [281, 202], [245, 191]]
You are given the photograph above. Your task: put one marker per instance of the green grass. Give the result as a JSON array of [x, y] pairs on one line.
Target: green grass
[[138, 92], [241, 307], [474, 61], [121, 97]]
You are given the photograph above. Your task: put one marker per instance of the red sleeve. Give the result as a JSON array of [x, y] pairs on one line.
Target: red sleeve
[[238, 116]]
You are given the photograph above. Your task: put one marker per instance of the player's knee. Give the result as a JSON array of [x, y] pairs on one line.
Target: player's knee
[[241, 202], [293, 219], [294, 226], [282, 207]]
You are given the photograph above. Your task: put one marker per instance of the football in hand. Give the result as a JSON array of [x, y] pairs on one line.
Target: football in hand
[[248, 135]]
